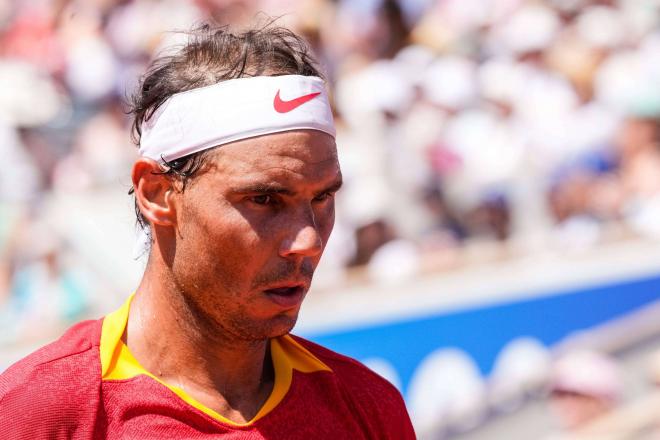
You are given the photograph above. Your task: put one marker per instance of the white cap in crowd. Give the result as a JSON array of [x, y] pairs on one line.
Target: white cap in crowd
[[588, 373]]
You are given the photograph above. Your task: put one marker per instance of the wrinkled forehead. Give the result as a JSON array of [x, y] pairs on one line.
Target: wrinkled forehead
[[300, 153]]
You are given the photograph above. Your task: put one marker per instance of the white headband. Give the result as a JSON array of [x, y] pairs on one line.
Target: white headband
[[232, 110]]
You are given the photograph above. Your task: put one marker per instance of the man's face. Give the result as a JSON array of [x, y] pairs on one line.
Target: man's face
[[252, 228]]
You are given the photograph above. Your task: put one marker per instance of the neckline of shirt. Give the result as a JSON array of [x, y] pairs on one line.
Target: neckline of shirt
[[117, 363]]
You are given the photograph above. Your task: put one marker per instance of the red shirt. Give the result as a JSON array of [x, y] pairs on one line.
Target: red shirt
[[87, 385]]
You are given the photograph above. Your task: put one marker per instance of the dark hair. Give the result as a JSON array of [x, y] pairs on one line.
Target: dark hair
[[212, 55]]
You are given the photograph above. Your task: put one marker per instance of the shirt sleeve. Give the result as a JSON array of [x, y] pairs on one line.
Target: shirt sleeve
[[56, 399]]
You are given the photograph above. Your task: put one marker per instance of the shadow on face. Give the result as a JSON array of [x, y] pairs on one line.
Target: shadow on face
[[259, 216]]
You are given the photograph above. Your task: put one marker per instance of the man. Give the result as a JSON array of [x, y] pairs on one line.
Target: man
[[235, 185]]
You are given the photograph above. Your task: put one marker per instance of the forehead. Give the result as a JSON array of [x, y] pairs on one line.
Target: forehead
[[292, 155]]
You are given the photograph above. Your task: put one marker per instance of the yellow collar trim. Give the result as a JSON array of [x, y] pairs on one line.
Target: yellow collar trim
[[117, 363]]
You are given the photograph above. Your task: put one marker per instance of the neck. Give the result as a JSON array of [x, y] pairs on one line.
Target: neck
[[231, 376]]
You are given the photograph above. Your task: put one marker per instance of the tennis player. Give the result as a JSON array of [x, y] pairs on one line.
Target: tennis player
[[235, 188]]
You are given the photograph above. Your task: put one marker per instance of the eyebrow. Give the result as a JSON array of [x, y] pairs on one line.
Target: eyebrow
[[263, 188], [334, 187], [274, 188]]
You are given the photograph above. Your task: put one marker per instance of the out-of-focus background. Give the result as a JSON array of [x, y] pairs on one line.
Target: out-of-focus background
[[497, 247]]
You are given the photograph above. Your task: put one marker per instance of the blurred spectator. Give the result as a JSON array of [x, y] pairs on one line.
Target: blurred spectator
[[47, 291], [445, 227], [369, 238], [394, 261], [101, 152], [446, 394], [584, 385], [521, 369], [654, 368], [490, 218]]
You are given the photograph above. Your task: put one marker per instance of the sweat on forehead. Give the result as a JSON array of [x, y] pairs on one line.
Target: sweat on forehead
[[291, 151], [303, 142]]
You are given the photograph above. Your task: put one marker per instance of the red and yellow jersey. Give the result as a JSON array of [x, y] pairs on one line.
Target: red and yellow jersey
[[87, 385]]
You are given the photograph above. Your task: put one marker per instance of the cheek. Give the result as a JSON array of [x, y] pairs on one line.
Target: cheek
[[219, 244], [232, 240], [220, 226], [325, 221]]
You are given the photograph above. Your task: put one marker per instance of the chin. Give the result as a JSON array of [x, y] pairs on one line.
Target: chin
[[281, 325]]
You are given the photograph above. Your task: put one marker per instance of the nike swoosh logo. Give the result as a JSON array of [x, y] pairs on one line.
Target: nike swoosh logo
[[287, 106]]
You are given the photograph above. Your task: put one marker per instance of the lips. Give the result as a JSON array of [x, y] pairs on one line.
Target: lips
[[286, 296]]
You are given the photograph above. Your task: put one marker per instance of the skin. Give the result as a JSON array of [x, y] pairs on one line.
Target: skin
[[256, 218], [576, 410]]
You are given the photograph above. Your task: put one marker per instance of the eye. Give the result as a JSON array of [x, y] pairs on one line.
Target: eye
[[262, 199], [323, 197]]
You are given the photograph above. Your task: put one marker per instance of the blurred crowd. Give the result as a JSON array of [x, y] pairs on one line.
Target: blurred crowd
[[459, 121]]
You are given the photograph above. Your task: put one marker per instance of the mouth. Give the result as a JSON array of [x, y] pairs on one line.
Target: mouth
[[286, 296]]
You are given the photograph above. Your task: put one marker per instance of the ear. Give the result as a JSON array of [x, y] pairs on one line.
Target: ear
[[154, 192]]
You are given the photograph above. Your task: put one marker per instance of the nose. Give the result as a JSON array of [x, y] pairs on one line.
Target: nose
[[304, 238]]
